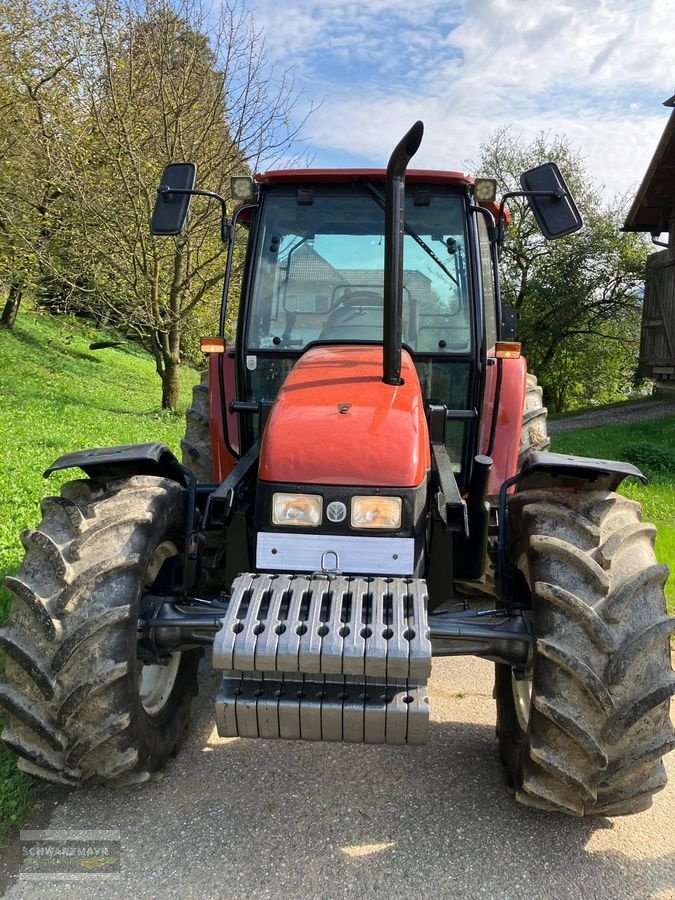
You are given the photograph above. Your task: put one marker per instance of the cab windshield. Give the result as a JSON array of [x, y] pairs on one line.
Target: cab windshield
[[318, 270]]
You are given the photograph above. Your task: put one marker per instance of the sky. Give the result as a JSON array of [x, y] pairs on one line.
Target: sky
[[593, 70]]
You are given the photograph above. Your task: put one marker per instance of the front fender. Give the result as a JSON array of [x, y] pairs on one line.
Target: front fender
[[553, 470], [123, 461], [561, 470]]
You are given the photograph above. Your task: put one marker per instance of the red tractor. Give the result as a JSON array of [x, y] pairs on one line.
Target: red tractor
[[364, 487]]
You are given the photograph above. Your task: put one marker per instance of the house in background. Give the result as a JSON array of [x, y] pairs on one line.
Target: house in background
[[653, 211], [311, 288]]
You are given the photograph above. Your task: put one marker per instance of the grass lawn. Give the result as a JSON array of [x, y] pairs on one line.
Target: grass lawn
[[657, 497], [57, 396]]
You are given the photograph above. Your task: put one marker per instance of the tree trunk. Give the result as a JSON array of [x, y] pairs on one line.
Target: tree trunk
[[170, 384], [558, 396], [11, 309]]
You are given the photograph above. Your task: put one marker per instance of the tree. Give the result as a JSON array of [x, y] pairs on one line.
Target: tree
[[36, 82], [95, 100], [578, 298], [177, 82]]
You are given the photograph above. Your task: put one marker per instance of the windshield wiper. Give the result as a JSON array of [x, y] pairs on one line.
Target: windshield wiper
[[413, 234]]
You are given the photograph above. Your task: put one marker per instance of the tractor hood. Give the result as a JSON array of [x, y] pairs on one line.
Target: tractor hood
[[336, 422]]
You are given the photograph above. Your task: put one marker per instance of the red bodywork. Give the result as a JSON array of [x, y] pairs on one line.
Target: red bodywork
[[509, 424], [369, 389], [380, 440], [383, 439], [223, 459], [345, 176]]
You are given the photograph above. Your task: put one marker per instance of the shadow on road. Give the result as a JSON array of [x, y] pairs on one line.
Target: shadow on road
[[236, 818]]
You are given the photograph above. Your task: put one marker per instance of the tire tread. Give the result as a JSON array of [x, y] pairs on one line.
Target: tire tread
[[599, 722], [70, 682]]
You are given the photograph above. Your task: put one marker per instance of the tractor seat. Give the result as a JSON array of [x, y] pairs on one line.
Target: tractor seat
[[355, 323]]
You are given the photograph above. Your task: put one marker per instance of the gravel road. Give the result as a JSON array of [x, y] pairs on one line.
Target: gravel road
[[617, 415], [242, 819]]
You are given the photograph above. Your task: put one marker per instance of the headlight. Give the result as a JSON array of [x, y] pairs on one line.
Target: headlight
[[376, 512], [297, 509]]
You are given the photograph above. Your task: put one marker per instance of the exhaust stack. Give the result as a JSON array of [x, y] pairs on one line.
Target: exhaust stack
[[394, 208]]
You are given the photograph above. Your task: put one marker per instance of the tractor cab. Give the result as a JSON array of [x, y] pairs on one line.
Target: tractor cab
[[315, 276]]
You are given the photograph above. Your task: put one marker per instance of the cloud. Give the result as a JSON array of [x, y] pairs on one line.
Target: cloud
[[575, 44], [617, 149], [594, 70], [325, 37]]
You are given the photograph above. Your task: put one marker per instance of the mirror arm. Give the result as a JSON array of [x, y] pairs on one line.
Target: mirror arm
[[165, 192], [556, 195], [489, 220]]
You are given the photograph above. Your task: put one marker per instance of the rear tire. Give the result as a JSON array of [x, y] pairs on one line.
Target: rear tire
[[82, 707], [534, 435], [196, 445], [591, 739]]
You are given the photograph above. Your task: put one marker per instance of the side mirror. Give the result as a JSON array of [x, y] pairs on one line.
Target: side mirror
[[173, 199], [552, 205]]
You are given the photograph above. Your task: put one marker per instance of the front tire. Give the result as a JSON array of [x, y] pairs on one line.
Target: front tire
[[591, 738], [82, 706]]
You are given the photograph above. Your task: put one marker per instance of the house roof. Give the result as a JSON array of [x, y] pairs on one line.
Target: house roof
[[655, 199], [308, 265]]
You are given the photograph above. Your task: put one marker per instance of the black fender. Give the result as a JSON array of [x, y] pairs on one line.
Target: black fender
[[144, 459], [124, 461], [546, 470], [561, 470]]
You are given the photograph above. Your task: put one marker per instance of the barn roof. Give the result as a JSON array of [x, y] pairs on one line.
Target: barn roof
[[655, 199]]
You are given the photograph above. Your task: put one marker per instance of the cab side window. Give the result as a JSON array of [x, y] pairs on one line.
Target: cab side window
[[489, 305]]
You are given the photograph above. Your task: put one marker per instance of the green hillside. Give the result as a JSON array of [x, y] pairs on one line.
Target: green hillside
[[57, 396], [650, 446]]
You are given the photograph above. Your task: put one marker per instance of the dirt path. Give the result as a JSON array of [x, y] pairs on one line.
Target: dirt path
[[617, 415]]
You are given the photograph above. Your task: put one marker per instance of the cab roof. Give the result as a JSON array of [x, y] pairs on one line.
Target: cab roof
[[344, 176], [349, 176]]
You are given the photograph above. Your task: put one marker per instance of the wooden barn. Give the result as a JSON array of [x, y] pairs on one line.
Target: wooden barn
[[653, 211]]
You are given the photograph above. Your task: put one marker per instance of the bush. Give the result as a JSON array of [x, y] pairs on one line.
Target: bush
[[652, 458]]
